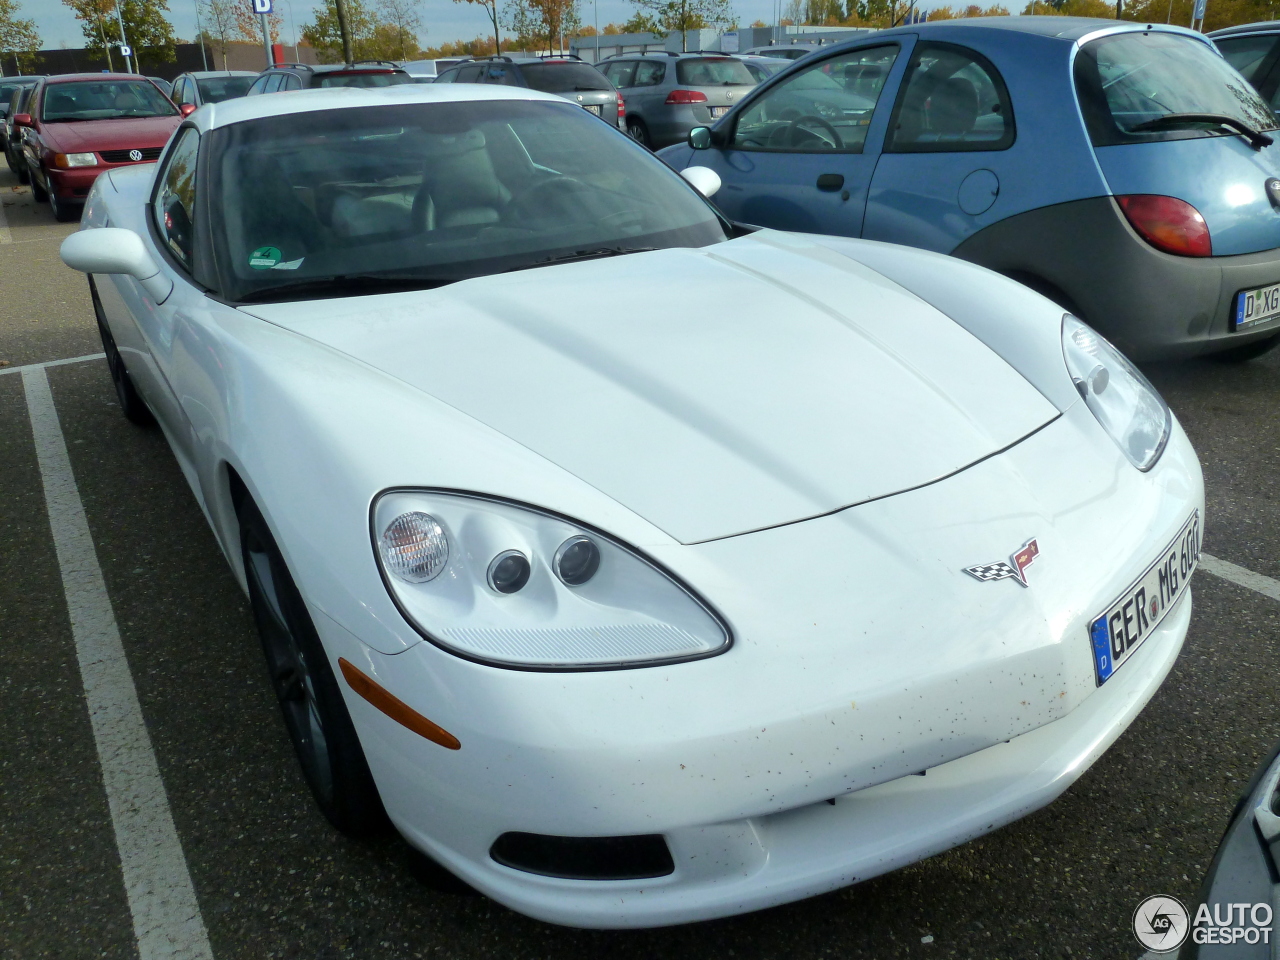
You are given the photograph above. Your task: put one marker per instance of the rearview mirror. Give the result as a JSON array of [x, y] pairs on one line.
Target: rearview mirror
[[187, 109], [700, 138], [703, 179], [22, 119], [113, 250]]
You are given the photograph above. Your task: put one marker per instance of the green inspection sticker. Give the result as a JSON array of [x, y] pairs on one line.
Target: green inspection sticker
[[264, 258]]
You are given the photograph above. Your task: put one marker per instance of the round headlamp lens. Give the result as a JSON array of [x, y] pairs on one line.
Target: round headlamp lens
[[509, 571], [414, 547], [577, 560]]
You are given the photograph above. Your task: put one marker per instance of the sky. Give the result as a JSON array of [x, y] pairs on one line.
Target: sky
[[445, 19]]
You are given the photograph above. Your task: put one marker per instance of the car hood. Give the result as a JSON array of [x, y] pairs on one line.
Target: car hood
[[712, 391], [123, 134]]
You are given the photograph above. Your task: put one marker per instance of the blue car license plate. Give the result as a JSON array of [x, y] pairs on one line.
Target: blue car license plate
[[1138, 611], [1257, 306]]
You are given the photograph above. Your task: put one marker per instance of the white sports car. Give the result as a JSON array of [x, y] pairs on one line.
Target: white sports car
[[642, 566]]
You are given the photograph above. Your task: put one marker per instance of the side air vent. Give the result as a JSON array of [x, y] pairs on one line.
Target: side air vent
[[585, 858]]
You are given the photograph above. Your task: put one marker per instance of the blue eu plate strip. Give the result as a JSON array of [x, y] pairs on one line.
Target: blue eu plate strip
[[1101, 638]]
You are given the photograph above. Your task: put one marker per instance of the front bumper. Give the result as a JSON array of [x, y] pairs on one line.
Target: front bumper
[[1152, 305], [74, 184], [894, 663]]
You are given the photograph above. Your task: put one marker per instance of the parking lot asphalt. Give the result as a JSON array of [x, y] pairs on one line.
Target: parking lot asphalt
[[271, 877]]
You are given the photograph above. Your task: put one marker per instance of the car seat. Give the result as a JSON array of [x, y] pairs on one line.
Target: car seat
[[459, 184]]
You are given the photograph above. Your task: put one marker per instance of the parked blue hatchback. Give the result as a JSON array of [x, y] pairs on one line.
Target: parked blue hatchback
[[1124, 170]]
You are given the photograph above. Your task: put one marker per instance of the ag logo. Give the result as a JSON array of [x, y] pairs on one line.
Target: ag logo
[[135, 155], [1160, 923]]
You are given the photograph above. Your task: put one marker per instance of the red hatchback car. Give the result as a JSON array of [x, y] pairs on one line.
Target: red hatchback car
[[82, 124]]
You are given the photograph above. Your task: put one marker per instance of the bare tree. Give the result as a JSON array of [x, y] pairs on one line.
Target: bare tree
[[404, 18], [220, 23], [491, 8]]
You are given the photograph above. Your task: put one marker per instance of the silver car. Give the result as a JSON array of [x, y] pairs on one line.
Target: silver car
[[565, 76], [668, 94]]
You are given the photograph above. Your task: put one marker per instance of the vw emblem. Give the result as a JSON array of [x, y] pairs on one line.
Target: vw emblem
[[1272, 187], [135, 155], [729, 95], [579, 98]]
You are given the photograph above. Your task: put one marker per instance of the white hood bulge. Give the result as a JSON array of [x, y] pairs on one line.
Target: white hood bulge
[[712, 391]]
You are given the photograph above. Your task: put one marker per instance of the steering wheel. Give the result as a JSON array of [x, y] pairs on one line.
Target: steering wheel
[[557, 191], [836, 142]]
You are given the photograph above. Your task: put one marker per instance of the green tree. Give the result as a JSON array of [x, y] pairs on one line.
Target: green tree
[[323, 33], [400, 26], [146, 29], [683, 15], [544, 23], [19, 40]]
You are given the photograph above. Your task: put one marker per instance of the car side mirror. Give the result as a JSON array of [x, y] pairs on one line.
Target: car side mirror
[[700, 138], [22, 119], [703, 179], [113, 250], [187, 109]]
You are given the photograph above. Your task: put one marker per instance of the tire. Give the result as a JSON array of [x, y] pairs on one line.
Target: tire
[[63, 211], [24, 175], [132, 405], [1250, 351], [8, 159], [315, 715], [638, 132], [37, 191]]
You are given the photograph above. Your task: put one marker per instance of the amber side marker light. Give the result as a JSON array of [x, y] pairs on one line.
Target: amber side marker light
[[395, 708]]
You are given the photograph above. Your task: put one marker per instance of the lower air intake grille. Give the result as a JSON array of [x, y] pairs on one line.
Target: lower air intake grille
[[585, 858], [122, 156]]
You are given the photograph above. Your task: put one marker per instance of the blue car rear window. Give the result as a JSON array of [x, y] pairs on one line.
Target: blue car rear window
[[1138, 87]]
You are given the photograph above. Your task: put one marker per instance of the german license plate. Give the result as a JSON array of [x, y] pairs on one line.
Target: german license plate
[[1257, 306], [718, 112], [1136, 614], [596, 108]]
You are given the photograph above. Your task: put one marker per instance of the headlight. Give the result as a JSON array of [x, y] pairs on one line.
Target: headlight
[[1127, 406], [65, 160], [508, 584]]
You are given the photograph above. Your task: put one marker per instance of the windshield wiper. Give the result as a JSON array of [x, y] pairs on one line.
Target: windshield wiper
[[597, 254], [359, 283], [1257, 139]]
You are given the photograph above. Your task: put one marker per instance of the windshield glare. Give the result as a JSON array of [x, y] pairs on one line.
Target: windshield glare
[[104, 100], [563, 77], [217, 89], [713, 72], [435, 193], [1133, 78]]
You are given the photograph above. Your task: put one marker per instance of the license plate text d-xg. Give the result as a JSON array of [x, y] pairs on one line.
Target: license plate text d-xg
[[1256, 306], [1136, 614]]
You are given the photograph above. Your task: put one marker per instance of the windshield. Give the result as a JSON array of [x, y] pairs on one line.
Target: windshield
[[713, 72], [7, 90], [432, 193], [563, 77], [104, 100], [217, 89], [1131, 79], [355, 78]]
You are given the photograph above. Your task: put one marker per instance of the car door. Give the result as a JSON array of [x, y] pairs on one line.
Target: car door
[[801, 153], [172, 238], [947, 151], [1257, 57]]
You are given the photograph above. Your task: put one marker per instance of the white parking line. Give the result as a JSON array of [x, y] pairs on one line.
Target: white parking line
[[53, 363], [166, 916], [1240, 576]]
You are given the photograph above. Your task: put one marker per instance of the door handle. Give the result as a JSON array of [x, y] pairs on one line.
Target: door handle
[[830, 181]]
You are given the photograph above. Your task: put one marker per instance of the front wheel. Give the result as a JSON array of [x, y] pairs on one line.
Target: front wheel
[[63, 211], [638, 132], [133, 407], [37, 191], [315, 715]]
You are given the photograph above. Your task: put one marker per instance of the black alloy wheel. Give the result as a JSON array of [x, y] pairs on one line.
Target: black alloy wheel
[[638, 132], [63, 211], [315, 715], [37, 191], [133, 407]]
